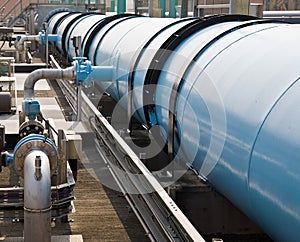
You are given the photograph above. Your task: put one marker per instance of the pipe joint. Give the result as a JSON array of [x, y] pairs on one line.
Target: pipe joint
[[51, 74], [20, 40], [51, 37], [86, 73], [83, 69]]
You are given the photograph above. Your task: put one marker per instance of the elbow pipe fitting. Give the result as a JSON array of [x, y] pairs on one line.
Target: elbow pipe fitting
[[37, 197], [82, 71], [21, 39], [68, 73], [31, 108]]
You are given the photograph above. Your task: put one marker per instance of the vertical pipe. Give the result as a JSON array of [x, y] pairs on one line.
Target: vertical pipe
[[46, 45], [112, 5], [172, 9], [79, 101], [162, 5], [37, 197], [121, 8]]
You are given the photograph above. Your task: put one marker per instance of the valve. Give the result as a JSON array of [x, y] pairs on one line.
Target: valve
[[51, 37], [43, 37], [83, 69]]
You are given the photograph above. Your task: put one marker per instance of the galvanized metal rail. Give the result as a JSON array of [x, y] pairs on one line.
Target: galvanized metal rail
[[156, 211]]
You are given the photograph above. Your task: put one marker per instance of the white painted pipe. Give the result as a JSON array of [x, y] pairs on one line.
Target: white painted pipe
[[20, 43]]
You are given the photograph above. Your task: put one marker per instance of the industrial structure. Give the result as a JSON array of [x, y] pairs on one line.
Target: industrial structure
[[192, 119]]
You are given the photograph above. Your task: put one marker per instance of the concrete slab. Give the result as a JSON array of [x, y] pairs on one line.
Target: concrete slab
[[77, 127], [58, 238], [40, 85], [43, 101], [11, 123]]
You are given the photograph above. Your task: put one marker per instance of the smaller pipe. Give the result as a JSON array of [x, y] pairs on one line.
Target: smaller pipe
[[37, 197], [20, 43], [79, 102], [102, 73], [33, 77], [46, 44]]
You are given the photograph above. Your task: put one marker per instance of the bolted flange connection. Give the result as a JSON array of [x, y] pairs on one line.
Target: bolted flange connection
[[34, 142]]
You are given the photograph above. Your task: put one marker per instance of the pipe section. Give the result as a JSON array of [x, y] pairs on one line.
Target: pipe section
[[20, 43], [37, 197], [33, 77], [35, 159], [234, 92]]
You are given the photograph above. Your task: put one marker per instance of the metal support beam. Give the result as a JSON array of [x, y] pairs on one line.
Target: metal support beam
[[46, 45]]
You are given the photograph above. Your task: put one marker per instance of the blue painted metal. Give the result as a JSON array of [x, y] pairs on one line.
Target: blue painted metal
[[237, 109], [31, 108], [162, 5], [83, 70], [172, 9], [112, 5], [8, 158], [121, 6], [86, 73], [35, 137], [80, 28], [51, 37]]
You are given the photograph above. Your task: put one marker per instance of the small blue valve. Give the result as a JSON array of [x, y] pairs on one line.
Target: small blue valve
[[31, 108], [83, 70]]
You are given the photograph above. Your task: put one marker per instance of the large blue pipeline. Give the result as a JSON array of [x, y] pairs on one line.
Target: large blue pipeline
[[231, 83]]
